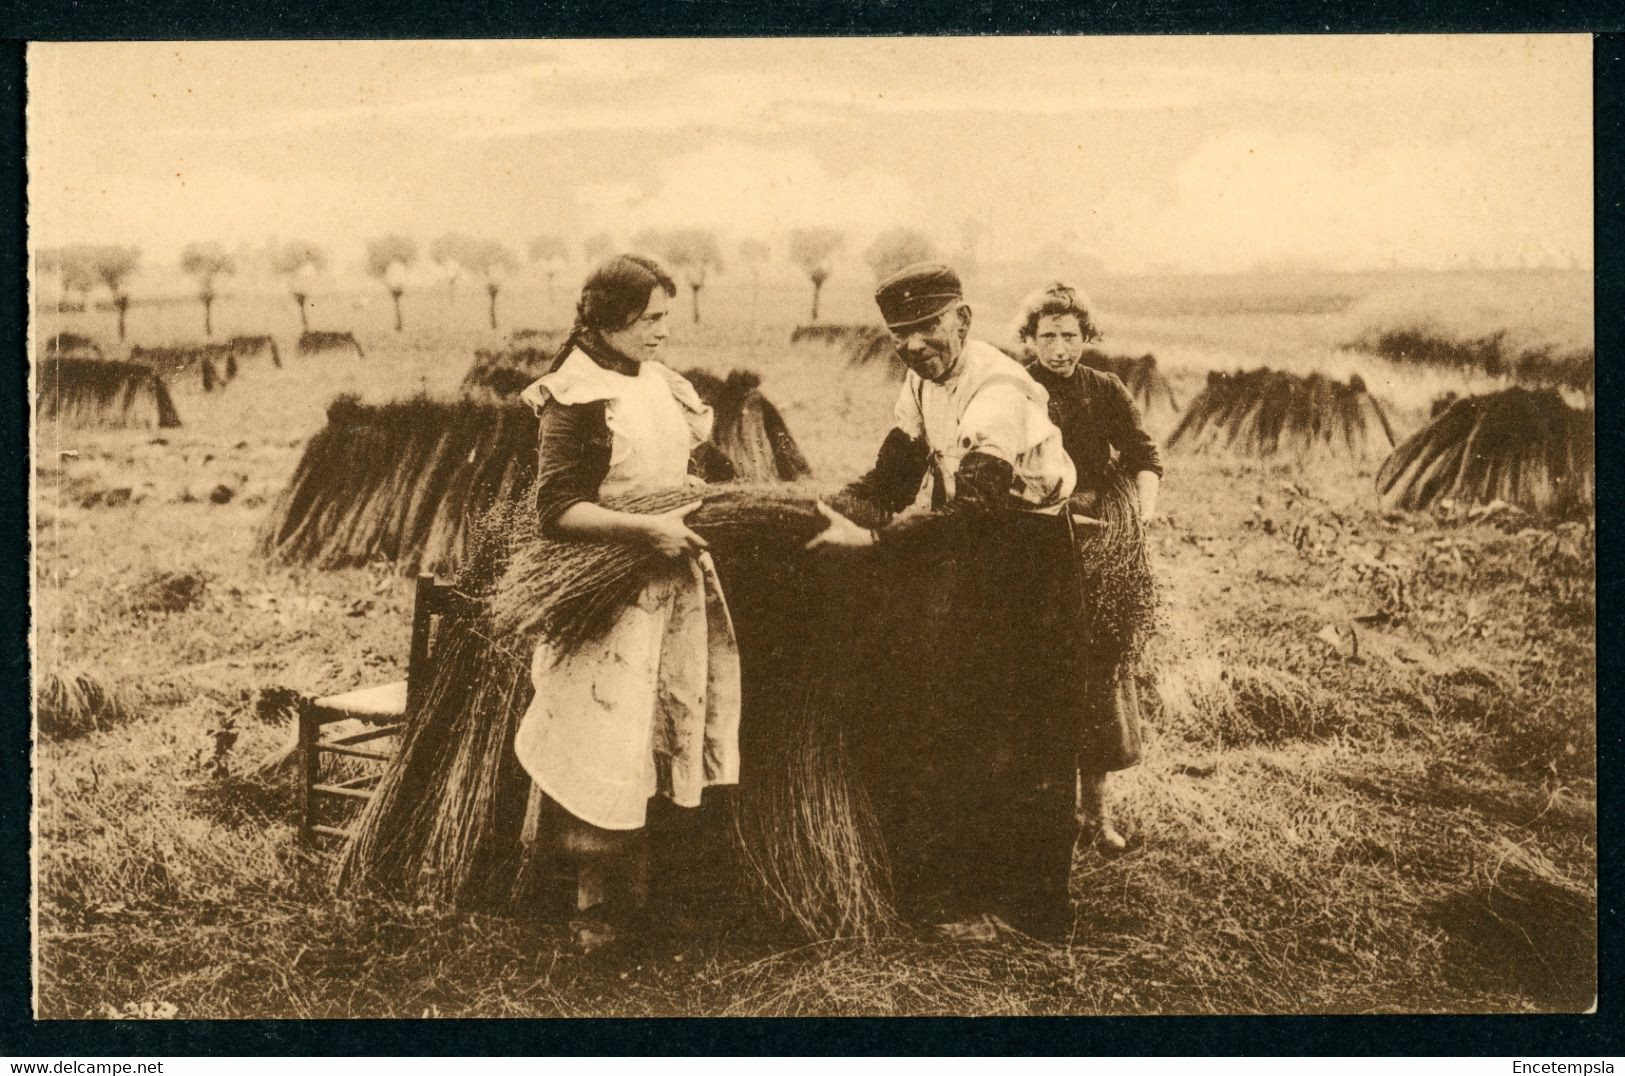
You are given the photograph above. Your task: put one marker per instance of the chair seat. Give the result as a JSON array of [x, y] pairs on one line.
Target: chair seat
[[368, 703]]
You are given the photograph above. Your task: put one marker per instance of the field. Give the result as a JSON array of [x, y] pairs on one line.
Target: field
[[1370, 783]]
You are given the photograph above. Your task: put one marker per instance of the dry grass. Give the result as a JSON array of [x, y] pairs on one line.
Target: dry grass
[[1408, 828], [1225, 704], [76, 703], [163, 591]]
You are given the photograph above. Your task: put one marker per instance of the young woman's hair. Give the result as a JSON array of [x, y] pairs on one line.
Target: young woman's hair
[[1053, 300], [614, 296], [617, 292]]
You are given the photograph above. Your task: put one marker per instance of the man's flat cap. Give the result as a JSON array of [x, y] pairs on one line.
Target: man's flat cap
[[917, 292]]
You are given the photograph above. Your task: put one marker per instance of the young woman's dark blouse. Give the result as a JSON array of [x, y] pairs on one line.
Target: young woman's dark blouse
[[1096, 416], [574, 451]]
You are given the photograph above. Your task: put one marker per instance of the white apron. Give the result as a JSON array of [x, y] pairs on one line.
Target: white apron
[[653, 706]]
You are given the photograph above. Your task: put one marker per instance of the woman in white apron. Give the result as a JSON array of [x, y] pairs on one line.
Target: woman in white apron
[[652, 708]]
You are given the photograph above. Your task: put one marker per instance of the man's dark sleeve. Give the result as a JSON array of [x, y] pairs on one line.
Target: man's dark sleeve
[[1136, 451], [573, 458], [983, 482], [891, 484]]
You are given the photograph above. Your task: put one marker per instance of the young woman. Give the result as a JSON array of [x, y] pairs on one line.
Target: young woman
[[653, 707], [1102, 432]]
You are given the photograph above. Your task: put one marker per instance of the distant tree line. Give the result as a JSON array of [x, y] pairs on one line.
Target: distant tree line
[[694, 255], [82, 266]]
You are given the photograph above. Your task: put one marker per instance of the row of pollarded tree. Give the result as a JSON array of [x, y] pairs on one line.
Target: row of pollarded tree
[[694, 254], [82, 267]]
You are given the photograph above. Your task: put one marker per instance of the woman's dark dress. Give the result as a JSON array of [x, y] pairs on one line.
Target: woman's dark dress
[[1103, 434]]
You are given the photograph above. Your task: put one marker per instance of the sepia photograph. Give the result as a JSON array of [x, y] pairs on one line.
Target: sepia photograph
[[914, 526]]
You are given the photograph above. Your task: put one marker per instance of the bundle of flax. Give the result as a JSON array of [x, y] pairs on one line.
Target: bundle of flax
[[248, 347], [807, 834], [443, 826], [570, 591], [91, 392], [314, 341], [861, 344], [1264, 412], [1139, 374], [1526, 447], [213, 364], [869, 344], [73, 346], [507, 372], [404, 481], [821, 333], [830, 650], [748, 429], [1119, 589], [401, 482]]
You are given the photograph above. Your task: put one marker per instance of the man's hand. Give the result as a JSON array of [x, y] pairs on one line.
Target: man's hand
[[841, 533], [668, 534], [1147, 484]]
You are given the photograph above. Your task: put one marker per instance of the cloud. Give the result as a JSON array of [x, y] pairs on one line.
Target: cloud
[[754, 85], [566, 86], [1207, 153], [163, 214], [742, 189], [1252, 196]]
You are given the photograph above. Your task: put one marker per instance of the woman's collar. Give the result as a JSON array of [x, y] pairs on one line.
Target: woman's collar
[[594, 347], [1042, 373]]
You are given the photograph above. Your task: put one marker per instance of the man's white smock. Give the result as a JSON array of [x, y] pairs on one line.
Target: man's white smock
[[993, 406]]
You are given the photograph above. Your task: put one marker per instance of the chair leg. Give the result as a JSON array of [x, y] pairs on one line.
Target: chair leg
[[308, 763]]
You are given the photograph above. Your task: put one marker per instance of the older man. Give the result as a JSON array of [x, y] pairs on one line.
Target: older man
[[980, 779], [968, 415]]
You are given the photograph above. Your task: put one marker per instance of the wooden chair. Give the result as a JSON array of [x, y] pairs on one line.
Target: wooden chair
[[382, 708]]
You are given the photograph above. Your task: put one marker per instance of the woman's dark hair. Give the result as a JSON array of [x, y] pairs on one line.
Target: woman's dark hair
[[1054, 300], [617, 292], [614, 296]]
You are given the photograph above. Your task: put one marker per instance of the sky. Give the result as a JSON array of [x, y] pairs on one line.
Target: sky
[[1197, 154]]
